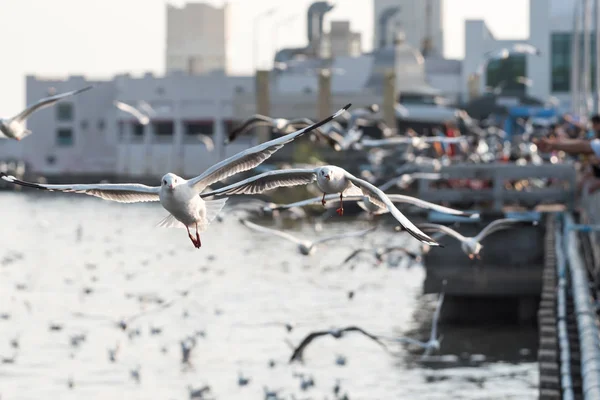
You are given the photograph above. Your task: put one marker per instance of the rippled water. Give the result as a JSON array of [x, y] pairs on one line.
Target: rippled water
[[240, 282]]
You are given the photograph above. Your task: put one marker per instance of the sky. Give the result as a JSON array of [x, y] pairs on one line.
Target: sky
[[98, 39]]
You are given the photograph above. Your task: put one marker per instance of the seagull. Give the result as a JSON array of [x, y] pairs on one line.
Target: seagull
[[434, 341], [472, 245], [14, 128], [198, 393], [418, 142], [403, 181], [180, 196], [305, 247], [330, 179], [140, 116], [281, 125], [207, 142], [336, 333], [379, 252]]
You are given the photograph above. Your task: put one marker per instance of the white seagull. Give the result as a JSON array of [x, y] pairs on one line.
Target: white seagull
[[180, 197], [129, 109], [330, 179], [404, 181], [434, 342], [417, 142], [306, 247], [280, 125], [14, 128], [472, 245]]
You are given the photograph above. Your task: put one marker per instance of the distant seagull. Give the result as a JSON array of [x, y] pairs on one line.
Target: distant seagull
[[504, 53], [330, 179], [14, 128], [281, 125], [198, 393], [379, 252], [141, 117], [305, 247], [180, 196], [405, 180], [336, 333], [207, 142], [367, 205], [472, 245], [434, 341], [242, 380]]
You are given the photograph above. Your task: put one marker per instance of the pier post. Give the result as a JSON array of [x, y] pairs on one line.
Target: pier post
[[148, 141], [263, 102], [473, 86], [324, 101], [389, 98]]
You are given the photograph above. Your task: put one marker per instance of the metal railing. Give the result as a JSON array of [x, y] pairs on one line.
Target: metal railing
[[561, 316]]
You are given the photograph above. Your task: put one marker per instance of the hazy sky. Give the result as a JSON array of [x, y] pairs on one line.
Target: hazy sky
[[100, 38]]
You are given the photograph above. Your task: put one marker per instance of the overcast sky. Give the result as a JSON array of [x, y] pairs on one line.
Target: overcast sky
[[100, 38]]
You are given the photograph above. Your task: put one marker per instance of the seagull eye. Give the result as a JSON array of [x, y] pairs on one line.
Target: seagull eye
[[164, 182]]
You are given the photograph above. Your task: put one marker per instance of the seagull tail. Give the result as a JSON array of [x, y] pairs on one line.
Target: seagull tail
[[213, 208]]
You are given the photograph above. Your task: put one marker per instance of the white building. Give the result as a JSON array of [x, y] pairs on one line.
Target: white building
[[550, 24], [87, 134], [418, 19], [342, 41], [197, 36]]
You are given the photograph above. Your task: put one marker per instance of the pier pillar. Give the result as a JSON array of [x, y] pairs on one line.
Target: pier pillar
[[473, 86], [389, 98], [263, 103], [178, 153], [148, 141], [324, 102]]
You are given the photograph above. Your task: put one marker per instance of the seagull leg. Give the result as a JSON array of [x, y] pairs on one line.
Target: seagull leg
[[198, 242], [340, 210], [323, 200], [191, 237]]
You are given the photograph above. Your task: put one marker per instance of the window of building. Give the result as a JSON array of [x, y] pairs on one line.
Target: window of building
[[64, 112], [199, 128], [504, 73], [561, 50], [163, 128], [51, 160], [64, 137], [101, 124], [138, 132]]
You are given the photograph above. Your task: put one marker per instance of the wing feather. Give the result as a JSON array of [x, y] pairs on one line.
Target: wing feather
[[275, 232], [46, 102], [267, 181]]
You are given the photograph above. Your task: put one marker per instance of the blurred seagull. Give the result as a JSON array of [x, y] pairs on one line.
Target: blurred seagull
[[330, 179], [14, 128], [207, 142], [180, 196], [379, 252], [305, 247], [141, 117], [472, 245], [281, 125], [336, 333], [403, 181]]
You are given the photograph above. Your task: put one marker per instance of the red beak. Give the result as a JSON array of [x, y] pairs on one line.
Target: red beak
[[171, 187], [327, 177]]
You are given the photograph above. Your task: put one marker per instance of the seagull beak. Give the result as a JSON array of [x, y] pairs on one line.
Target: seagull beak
[[327, 177], [171, 187]]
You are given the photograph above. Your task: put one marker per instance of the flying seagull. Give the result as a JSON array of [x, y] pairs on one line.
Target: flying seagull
[[336, 333], [379, 252], [129, 109], [472, 245], [14, 128], [330, 179], [282, 125], [180, 197], [305, 247]]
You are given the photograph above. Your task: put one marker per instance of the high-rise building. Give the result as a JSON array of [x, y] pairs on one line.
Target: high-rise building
[[197, 36], [420, 20]]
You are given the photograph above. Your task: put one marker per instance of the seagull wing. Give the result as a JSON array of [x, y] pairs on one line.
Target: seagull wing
[[436, 317], [119, 192], [498, 225], [250, 158], [410, 341], [442, 229], [367, 334], [46, 102], [207, 141], [275, 232], [252, 122], [314, 200], [379, 198], [402, 249], [141, 117], [298, 352], [345, 235], [400, 198], [354, 254], [267, 181]]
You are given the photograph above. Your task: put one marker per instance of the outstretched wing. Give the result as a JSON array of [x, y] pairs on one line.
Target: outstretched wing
[[251, 157], [299, 351], [267, 181], [367, 334], [400, 198], [46, 102], [442, 229], [252, 122], [142, 119], [498, 225], [119, 192], [275, 232]]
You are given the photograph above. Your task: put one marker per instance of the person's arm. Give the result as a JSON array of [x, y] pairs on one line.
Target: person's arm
[[571, 146]]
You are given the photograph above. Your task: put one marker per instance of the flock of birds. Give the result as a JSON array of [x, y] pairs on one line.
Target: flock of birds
[[192, 204]]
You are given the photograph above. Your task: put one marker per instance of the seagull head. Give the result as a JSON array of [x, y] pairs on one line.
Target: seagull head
[[170, 181], [326, 173]]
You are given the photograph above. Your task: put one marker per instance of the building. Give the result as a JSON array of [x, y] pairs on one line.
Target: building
[[551, 27], [88, 135], [197, 36], [421, 21], [342, 42]]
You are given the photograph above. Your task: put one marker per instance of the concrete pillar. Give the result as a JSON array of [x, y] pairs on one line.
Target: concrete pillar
[[389, 98], [474, 81], [263, 102], [324, 100], [148, 141], [125, 142], [219, 133], [178, 142]]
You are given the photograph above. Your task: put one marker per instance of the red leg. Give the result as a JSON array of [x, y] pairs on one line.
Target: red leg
[[323, 200], [340, 210], [191, 237], [199, 243]]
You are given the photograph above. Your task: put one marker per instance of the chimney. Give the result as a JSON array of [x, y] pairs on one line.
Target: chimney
[[315, 15]]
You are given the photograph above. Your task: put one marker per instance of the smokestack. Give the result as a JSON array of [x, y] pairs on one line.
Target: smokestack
[[315, 15], [384, 22]]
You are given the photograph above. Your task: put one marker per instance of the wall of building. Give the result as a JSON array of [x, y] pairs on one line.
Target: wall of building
[[197, 35]]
